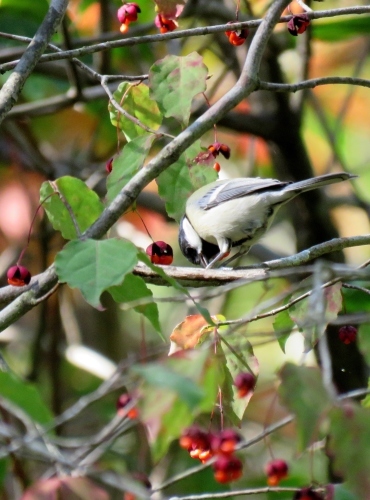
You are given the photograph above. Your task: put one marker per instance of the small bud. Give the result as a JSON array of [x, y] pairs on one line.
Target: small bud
[[298, 24], [18, 276], [276, 470], [160, 252], [348, 334]]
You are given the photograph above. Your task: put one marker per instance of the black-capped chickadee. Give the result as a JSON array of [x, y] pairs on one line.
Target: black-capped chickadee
[[236, 213]]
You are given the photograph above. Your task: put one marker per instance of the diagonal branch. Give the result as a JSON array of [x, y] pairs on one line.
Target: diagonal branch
[[13, 86]]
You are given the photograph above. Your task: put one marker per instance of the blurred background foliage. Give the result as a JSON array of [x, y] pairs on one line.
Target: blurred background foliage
[[61, 126]]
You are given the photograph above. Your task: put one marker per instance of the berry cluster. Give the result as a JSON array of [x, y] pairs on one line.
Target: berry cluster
[[204, 445]]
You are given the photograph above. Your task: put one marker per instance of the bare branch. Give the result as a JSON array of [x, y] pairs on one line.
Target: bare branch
[[12, 88]]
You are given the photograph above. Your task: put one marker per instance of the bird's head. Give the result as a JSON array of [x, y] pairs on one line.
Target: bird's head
[[193, 247]]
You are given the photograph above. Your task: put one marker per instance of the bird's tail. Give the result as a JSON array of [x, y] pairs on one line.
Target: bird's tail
[[316, 182]]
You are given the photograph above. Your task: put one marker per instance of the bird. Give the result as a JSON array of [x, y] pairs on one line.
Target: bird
[[235, 213]]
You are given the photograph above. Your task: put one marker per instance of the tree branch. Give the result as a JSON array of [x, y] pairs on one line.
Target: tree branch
[[12, 88]]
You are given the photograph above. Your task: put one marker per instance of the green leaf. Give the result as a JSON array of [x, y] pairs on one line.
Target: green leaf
[[128, 163], [363, 339], [177, 286], [162, 376], [342, 493], [132, 289], [303, 393], [25, 396], [282, 325], [83, 202], [93, 266], [236, 358], [303, 313], [135, 101], [174, 392], [355, 300], [174, 81], [181, 179], [349, 446], [334, 30]]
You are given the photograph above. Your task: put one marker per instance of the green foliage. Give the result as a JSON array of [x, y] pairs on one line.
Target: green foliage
[[134, 288], [136, 102], [94, 266], [125, 166], [303, 393], [234, 359], [175, 81], [283, 325], [349, 446], [25, 396], [83, 205], [174, 391], [334, 30], [181, 179], [304, 313]]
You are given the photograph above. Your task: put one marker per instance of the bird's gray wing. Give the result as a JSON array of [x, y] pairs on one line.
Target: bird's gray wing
[[237, 188]]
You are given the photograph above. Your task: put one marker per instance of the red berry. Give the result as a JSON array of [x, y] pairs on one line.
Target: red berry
[[245, 383], [225, 441], [307, 494], [227, 468], [347, 334], [128, 13], [216, 148], [276, 470], [122, 402], [160, 252], [217, 166], [165, 24], [197, 443], [298, 24], [109, 166], [237, 37], [18, 276]]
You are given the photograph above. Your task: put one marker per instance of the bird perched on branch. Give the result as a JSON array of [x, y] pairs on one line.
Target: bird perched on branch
[[236, 213]]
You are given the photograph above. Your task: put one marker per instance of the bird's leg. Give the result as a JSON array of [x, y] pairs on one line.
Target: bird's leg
[[242, 251], [224, 246]]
